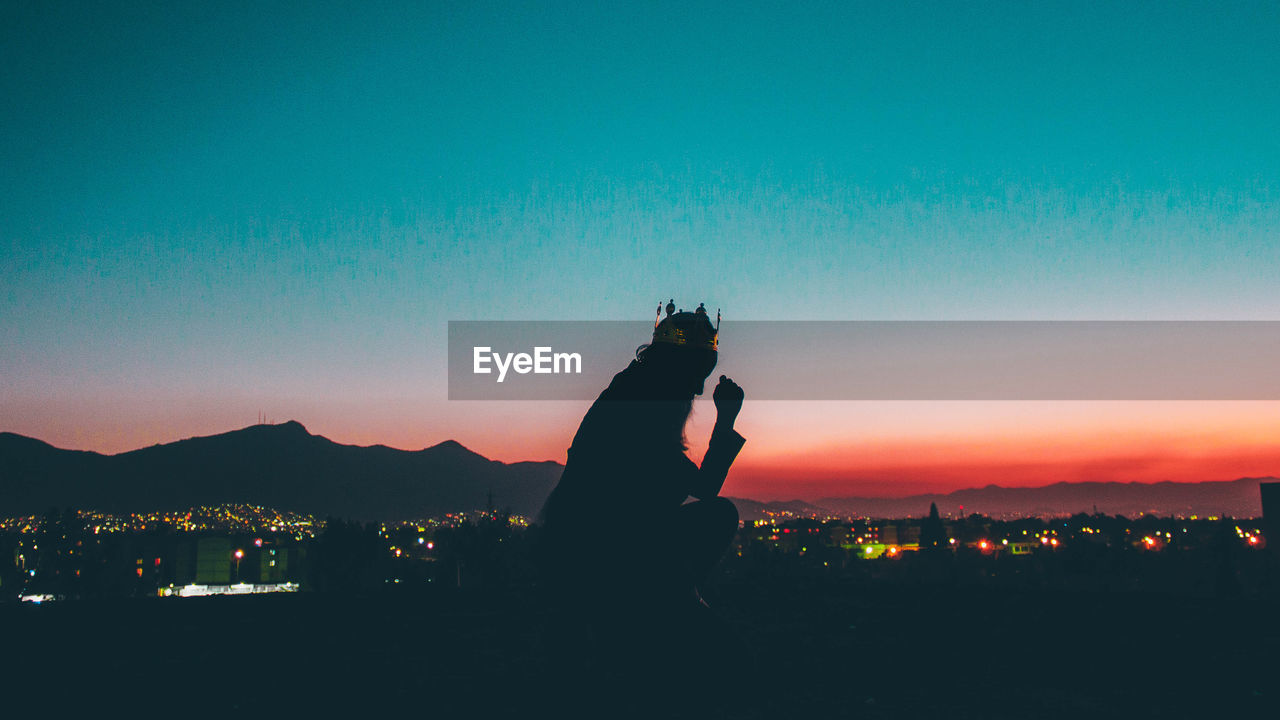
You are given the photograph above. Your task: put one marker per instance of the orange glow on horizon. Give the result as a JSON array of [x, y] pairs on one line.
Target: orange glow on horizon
[[794, 450], [929, 469]]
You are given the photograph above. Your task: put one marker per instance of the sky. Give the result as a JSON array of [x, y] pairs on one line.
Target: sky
[[209, 210]]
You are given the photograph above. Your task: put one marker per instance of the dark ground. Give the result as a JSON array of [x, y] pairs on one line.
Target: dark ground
[[808, 648]]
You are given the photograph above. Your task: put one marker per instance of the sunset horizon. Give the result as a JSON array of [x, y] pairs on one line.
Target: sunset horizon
[[895, 468]]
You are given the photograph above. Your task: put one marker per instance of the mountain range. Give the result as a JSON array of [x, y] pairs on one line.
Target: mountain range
[[280, 466], [1232, 498], [285, 467], [1238, 498]]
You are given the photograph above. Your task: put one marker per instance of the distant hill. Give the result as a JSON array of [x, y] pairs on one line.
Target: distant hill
[[756, 510], [1235, 498], [281, 466]]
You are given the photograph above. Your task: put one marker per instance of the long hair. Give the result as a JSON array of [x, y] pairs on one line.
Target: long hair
[[661, 382]]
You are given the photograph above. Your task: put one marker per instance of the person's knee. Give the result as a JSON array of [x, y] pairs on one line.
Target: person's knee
[[724, 512]]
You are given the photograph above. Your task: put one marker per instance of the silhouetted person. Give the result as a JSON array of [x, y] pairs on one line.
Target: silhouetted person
[[620, 539]]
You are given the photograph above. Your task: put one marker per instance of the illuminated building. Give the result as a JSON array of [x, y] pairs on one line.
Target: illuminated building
[[273, 564], [213, 560], [195, 590]]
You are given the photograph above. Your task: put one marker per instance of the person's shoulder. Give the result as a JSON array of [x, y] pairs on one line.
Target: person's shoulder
[[623, 385], [607, 404]]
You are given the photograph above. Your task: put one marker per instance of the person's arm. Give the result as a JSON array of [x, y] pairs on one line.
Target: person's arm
[[724, 447], [725, 441]]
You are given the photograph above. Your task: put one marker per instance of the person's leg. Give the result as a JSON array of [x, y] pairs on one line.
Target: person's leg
[[665, 569], [705, 528]]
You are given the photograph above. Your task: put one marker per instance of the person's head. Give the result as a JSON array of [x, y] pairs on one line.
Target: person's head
[[661, 385], [675, 372], [683, 351], [670, 371]]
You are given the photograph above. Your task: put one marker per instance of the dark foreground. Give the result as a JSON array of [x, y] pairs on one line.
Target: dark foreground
[[797, 649]]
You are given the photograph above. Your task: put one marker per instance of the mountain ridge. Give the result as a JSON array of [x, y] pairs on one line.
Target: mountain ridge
[[1236, 498], [282, 466], [287, 467]]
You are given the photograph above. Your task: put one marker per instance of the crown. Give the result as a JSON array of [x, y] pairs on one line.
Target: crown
[[691, 329]]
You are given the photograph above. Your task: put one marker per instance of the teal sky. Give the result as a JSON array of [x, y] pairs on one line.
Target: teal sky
[[222, 206]]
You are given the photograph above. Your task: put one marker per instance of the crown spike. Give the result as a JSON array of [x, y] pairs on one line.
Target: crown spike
[[692, 329]]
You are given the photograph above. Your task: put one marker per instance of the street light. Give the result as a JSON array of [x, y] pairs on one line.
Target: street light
[[238, 554]]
